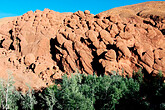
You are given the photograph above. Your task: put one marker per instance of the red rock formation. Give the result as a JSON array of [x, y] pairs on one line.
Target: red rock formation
[[48, 43]]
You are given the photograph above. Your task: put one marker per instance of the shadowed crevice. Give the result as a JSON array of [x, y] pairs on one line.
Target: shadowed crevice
[[96, 65], [11, 34], [163, 31], [54, 51], [1, 41]]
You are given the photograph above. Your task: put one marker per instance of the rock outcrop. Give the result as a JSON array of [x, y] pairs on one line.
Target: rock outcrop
[[46, 44]]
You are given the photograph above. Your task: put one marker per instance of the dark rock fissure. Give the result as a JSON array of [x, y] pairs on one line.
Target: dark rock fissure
[[11, 47], [11, 34], [97, 67], [88, 25], [163, 31], [148, 22], [18, 40], [1, 41], [54, 51], [32, 67]]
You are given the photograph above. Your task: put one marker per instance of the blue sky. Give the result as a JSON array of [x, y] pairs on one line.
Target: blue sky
[[10, 8]]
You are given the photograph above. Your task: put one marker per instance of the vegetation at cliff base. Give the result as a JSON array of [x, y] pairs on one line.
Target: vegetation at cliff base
[[90, 92]]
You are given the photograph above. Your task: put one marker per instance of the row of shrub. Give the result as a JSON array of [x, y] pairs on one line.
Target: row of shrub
[[90, 92]]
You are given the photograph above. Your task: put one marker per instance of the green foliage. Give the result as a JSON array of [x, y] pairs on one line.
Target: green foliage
[[49, 98], [71, 95], [8, 94], [28, 100], [107, 90], [138, 76], [90, 92], [10, 97]]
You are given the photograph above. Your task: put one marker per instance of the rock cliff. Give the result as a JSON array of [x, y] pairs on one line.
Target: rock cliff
[[41, 46]]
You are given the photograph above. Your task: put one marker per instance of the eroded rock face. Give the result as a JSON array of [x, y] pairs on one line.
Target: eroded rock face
[[48, 44], [112, 40]]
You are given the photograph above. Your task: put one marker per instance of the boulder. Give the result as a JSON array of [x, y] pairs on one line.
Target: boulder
[[29, 59]]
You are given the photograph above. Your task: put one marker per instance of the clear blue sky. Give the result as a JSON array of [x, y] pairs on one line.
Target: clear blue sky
[[19, 7]]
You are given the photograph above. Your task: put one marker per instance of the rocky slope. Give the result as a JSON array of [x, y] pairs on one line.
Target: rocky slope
[[41, 46]]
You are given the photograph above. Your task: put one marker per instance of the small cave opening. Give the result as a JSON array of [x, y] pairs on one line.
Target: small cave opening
[[143, 53], [109, 18], [11, 34], [148, 22], [1, 41], [96, 65], [68, 25], [11, 47], [32, 67]]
